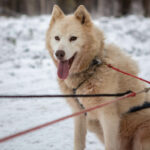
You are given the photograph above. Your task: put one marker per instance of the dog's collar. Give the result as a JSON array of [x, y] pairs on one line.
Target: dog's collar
[[96, 62]]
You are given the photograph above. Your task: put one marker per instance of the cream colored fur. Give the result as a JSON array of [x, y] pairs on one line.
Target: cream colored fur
[[117, 130]]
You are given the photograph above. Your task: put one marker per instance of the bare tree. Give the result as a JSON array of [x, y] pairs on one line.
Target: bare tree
[[125, 6], [146, 6], [108, 8], [136, 7], [49, 6], [33, 7], [67, 5]]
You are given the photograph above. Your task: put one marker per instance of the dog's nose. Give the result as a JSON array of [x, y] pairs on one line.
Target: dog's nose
[[60, 54]]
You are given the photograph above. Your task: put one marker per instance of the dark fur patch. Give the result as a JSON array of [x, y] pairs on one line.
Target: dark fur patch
[[83, 19], [138, 108]]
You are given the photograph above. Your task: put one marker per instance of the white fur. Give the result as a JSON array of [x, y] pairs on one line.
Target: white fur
[[70, 48]]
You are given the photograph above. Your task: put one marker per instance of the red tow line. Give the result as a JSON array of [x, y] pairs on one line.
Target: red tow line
[[114, 68]]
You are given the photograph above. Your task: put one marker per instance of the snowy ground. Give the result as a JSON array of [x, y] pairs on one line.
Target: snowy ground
[[26, 68]]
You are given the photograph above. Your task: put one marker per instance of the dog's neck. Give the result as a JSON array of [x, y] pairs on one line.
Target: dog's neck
[[76, 80]]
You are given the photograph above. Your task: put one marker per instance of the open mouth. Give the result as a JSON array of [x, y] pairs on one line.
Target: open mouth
[[64, 67]]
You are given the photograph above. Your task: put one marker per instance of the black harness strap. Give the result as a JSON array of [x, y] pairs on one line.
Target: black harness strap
[[74, 92], [138, 108]]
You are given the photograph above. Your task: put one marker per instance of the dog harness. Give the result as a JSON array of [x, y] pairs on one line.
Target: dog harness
[[96, 63], [138, 108], [93, 66]]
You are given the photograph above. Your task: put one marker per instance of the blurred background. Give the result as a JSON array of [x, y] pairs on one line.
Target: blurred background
[[115, 8]]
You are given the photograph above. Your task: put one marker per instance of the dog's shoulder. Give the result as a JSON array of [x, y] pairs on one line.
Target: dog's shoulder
[[120, 58]]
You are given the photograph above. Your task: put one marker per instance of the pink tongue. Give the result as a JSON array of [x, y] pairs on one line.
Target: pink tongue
[[63, 69]]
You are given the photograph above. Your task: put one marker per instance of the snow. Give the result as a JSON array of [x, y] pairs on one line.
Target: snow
[[26, 68]]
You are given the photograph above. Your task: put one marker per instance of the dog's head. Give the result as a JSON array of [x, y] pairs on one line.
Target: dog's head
[[73, 41]]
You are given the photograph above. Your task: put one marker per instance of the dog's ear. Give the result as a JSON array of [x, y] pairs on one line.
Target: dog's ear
[[57, 13], [82, 15]]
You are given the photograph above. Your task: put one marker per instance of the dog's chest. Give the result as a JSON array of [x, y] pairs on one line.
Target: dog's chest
[[87, 87], [87, 102], [85, 105]]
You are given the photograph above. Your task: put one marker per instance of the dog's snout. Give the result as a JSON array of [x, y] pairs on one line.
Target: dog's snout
[[60, 54]]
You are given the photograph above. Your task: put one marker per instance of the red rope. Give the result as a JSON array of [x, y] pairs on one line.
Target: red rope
[[110, 66], [64, 118]]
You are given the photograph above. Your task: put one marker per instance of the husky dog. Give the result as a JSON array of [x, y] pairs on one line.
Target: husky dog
[[78, 50]]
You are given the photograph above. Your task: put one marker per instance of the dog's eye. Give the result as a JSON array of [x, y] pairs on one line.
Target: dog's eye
[[57, 38], [73, 38]]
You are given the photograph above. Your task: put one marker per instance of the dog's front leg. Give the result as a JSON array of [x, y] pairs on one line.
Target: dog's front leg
[[79, 121], [79, 125], [110, 121], [80, 132]]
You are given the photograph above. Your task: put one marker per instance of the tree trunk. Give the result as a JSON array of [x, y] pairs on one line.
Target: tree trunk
[[32, 7], [146, 7], [136, 7], [125, 6], [42, 7], [108, 8], [49, 6]]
